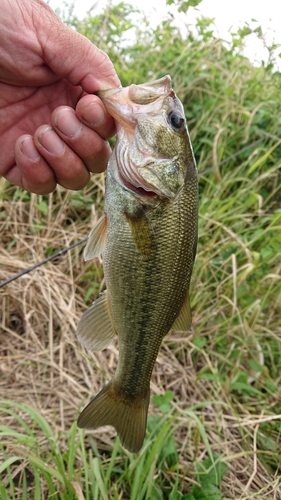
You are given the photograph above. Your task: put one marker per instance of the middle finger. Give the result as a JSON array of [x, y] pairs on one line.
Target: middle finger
[[86, 143]]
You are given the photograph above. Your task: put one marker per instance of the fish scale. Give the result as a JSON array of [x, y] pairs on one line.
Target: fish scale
[[147, 239]]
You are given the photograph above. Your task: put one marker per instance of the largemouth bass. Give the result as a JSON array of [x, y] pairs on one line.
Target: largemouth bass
[[147, 238]]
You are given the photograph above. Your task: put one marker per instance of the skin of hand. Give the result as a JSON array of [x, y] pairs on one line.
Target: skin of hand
[[52, 129]]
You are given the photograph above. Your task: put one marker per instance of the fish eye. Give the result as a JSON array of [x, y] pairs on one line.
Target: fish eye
[[175, 120]]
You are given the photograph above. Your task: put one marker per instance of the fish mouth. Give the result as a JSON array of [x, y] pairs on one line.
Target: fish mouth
[[142, 188], [139, 179], [141, 94], [143, 193], [125, 104]]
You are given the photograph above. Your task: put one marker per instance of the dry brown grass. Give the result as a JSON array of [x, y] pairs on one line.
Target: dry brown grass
[[43, 364]]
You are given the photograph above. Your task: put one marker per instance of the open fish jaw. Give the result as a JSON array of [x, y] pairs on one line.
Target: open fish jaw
[[149, 117]]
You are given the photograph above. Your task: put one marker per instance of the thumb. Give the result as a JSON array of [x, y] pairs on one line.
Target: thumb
[[72, 56]]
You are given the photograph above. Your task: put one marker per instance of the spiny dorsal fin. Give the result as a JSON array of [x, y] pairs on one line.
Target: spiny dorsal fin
[[142, 233], [95, 330], [96, 240], [127, 416], [183, 321]]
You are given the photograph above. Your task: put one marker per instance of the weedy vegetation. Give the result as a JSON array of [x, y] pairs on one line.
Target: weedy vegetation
[[214, 429]]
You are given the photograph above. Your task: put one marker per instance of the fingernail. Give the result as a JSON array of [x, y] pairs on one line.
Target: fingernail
[[67, 122], [51, 141], [93, 114], [29, 150]]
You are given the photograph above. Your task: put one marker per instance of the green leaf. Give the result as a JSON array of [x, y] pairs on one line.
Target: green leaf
[[209, 472], [169, 453], [255, 365], [42, 207], [199, 342], [9, 461], [248, 389], [208, 492], [163, 402]]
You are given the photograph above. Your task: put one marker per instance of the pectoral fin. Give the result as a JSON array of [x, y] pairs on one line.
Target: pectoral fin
[[95, 329], [96, 240], [183, 321], [142, 233]]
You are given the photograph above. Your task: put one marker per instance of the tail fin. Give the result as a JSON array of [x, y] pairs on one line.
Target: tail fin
[[127, 416]]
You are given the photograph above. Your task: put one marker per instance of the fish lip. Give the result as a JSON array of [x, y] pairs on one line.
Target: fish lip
[[146, 197], [149, 92], [108, 92], [122, 103], [164, 83], [138, 191], [119, 107]]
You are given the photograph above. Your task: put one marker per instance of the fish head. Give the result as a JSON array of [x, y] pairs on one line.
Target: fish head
[[153, 150]]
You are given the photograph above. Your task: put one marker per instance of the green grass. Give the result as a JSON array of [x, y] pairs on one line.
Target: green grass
[[41, 465], [214, 427]]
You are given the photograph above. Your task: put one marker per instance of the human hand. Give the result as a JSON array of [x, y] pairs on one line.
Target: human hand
[[46, 71]]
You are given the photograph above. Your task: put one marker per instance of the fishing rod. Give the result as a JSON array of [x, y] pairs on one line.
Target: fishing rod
[[44, 261]]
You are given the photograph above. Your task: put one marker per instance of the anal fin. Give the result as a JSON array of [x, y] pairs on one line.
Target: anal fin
[[95, 330], [184, 319]]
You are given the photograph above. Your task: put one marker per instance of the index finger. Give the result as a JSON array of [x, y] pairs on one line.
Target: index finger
[[91, 111]]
